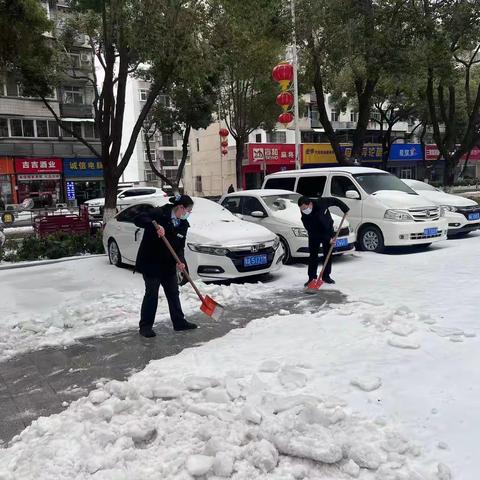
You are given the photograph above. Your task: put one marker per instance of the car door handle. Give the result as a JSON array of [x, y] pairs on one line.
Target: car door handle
[[136, 233]]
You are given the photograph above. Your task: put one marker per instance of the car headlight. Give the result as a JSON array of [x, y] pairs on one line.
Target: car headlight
[[207, 249], [449, 208], [276, 243], [300, 232], [398, 216], [350, 229]]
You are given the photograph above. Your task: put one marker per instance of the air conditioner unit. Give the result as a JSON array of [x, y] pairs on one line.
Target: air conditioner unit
[[86, 58]]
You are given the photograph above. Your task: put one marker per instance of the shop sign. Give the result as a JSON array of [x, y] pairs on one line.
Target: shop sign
[[40, 176], [82, 167], [8, 218], [322, 153], [406, 151], [6, 166], [38, 165], [433, 153], [70, 191], [271, 153]]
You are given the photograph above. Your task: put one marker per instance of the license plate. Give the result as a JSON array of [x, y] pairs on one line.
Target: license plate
[[255, 260], [430, 232], [341, 242], [474, 216]]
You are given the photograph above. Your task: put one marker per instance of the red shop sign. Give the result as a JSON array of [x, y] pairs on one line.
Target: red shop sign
[[38, 165], [432, 153], [271, 153]]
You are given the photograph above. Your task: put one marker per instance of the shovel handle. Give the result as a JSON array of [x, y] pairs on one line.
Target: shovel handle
[[334, 241], [177, 259]]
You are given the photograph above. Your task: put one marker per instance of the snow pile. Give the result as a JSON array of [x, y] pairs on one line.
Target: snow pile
[[266, 401], [231, 427]]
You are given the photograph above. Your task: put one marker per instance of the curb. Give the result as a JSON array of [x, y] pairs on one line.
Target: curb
[[40, 263]]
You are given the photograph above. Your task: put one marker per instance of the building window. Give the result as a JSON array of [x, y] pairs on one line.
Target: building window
[[143, 94], [376, 116], [2, 86], [334, 115], [258, 138], [198, 183], [167, 139], [53, 129], [73, 95], [28, 130], [153, 154], [74, 59], [76, 127], [42, 128], [354, 116], [89, 129], [16, 127], [276, 137], [3, 127], [198, 144], [12, 86]]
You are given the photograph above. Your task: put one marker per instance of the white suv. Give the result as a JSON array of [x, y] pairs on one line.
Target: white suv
[[383, 210], [125, 198]]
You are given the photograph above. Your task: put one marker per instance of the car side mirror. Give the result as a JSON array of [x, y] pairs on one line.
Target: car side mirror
[[257, 214], [121, 196], [352, 194]]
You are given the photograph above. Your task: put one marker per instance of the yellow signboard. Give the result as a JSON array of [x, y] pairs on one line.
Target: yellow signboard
[[315, 153]]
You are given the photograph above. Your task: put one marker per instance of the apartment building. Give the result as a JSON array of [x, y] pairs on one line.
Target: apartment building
[[37, 158]]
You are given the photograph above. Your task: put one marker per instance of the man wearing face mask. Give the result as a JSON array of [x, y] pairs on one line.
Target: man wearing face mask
[[157, 264], [318, 222]]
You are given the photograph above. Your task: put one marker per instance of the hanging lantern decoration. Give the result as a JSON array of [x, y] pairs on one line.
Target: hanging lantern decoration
[[224, 144], [224, 151], [283, 75], [285, 100], [223, 132], [285, 118], [223, 140]]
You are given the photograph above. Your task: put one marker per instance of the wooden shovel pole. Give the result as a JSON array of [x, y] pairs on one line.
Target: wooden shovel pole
[[333, 242]]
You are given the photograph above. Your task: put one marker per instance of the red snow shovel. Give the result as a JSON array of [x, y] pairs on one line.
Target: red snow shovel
[[209, 306], [316, 283]]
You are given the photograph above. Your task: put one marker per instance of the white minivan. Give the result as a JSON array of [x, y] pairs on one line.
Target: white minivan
[[384, 211]]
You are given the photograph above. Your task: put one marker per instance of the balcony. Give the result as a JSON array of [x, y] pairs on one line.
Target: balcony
[[70, 110]]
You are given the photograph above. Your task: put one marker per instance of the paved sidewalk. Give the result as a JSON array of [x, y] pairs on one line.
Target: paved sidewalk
[[38, 383]]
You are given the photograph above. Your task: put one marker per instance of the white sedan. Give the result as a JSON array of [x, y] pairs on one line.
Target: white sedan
[[278, 211], [125, 198], [462, 214], [219, 245]]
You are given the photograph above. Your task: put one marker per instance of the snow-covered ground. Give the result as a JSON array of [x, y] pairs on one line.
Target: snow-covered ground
[[385, 387]]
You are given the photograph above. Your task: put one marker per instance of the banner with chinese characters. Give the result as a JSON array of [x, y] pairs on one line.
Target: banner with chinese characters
[[38, 165], [406, 151], [82, 167], [433, 153], [322, 153], [271, 153]]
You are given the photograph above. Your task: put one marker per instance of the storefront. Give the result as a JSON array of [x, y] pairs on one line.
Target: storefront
[[39, 179], [83, 179], [405, 160], [315, 155], [264, 159], [8, 193]]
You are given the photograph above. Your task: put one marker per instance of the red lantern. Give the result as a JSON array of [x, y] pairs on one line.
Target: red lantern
[[223, 132], [224, 144], [224, 151], [283, 74], [285, 100], [285, 118]]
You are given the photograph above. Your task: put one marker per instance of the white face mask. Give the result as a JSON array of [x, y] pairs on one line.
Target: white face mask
[[307, 211]]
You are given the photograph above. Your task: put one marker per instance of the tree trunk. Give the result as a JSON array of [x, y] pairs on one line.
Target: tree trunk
[[186, 138], [111, 189], [240, 148]]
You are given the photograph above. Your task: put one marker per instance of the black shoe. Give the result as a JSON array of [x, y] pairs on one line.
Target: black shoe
[[185, 326], [147, 333], [329, 280], [307, 283]]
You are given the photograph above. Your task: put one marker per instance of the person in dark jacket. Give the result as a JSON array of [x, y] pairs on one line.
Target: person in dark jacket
[[231, 189], [157, 264], [318, 222]]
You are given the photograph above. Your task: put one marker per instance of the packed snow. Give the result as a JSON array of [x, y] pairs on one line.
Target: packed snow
[[377, 388]]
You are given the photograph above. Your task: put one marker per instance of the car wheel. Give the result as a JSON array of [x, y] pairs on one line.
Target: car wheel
[[371, 240], [114, 254], [287, 255], [181, 278]]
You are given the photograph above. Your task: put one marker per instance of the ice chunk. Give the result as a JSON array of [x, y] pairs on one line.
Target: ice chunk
[[283, 312], [443, 472], [251, 414], [223, 464], [198, 465], [200, 383], [269, 366], [98, 396], [403, 343], [263, 455], [290, 376], [366, 456], [367, 384], [233, 388], [216, 395], [351, 469], [442, 446]]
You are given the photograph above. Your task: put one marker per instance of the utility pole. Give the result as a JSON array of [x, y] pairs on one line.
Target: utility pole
[[295, 89]]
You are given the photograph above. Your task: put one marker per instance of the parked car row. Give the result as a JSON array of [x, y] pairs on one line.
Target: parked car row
[[253, 232]]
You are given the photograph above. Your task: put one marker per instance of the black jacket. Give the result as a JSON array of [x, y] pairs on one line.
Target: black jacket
[[153, 257], [319, 224]]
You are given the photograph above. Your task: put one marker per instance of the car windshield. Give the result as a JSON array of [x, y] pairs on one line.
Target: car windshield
[[281, 201], [422, 186], [375, 182]]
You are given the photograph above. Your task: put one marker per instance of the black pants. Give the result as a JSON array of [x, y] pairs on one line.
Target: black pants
[[150, 300], [314, 248]]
